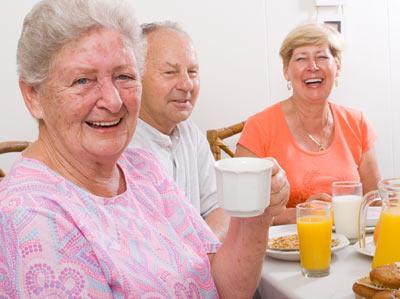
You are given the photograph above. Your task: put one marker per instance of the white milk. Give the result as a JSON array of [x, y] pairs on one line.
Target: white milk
[[346, 209]]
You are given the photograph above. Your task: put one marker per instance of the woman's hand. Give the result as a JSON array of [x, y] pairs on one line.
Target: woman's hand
[[320, 196], [246, 242], [280, 190]]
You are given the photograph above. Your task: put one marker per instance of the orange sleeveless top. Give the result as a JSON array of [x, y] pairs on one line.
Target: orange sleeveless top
[[267, 134]]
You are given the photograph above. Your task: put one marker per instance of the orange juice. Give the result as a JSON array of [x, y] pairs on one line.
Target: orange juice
[[388, 242], [315, 234]]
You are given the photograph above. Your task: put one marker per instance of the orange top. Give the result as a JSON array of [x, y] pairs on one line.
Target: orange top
[[267, 134]]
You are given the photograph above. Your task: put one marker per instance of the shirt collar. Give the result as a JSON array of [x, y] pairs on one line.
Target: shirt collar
[[160, 138]]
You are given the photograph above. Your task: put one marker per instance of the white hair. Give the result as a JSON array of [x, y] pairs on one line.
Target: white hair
[[53, 23]]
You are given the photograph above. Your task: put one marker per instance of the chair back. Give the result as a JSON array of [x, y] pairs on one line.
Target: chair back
[[9, 147], [216, 139]]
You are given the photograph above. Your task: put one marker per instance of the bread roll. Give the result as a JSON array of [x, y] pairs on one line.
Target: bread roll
[[387, 276], [364, 291]]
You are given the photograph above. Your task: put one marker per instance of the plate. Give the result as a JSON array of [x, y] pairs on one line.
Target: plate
[[283, 230], [369, 249], [368, 229]]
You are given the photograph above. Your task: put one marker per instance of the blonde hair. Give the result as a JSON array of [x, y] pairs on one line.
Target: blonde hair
[[311, 34]]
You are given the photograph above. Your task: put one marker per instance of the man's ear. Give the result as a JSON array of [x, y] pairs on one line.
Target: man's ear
[[31, 99]]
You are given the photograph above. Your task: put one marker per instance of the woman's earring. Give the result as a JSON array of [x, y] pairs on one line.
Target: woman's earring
[[289, 85], [336, 82]]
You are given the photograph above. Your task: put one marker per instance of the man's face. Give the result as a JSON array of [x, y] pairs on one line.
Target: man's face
[[170, 80]]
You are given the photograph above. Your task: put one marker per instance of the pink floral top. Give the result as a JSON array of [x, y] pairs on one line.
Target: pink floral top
[[60, 241]]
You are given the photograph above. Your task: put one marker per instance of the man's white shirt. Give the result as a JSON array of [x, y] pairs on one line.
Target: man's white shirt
[[186, 157]]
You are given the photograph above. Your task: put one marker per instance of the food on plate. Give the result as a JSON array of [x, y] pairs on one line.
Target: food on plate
[[290, 242], [394, 294], [365, 289], [383, 282], [386, 275]]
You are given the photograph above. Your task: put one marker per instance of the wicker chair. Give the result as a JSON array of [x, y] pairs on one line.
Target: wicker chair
[[11, 146], [216, 139]]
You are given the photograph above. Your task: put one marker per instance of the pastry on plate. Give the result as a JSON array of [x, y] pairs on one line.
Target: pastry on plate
[[383, 282]]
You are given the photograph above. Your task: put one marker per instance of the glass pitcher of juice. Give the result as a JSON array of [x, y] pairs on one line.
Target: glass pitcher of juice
[[388, 242]]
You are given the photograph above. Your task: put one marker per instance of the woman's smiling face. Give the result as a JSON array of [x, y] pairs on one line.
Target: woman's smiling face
[[312, 71], [90, 101]]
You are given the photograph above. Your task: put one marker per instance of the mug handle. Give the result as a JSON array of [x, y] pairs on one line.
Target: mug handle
[[368, 199]]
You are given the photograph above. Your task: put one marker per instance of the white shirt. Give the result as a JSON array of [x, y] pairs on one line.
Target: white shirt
[[186, 157]]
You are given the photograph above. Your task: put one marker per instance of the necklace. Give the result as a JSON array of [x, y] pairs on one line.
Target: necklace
[[321, 146]]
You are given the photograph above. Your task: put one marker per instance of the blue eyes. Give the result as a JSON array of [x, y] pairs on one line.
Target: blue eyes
[[81, 81], [86, 81]]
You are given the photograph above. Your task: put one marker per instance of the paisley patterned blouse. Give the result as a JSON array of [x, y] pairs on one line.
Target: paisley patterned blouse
[[60, 241]]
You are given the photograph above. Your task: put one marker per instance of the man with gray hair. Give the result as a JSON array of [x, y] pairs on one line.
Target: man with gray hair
[[170, 91]]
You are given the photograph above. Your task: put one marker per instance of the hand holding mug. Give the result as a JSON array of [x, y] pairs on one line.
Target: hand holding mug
[[280, 190], [244, 185]]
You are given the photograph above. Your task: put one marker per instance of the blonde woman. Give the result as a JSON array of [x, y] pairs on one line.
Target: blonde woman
[[314, 140]]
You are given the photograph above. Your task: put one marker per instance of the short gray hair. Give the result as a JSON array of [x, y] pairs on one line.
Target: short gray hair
[[148, 28], [154, 26], [53, 23]]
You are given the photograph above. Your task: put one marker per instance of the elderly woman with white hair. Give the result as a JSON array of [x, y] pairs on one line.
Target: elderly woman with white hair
[[81, 216]]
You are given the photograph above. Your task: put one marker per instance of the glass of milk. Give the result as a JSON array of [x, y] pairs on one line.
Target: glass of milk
[[346, 202]]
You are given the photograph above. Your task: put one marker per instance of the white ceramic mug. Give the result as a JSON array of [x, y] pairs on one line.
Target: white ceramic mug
[[243, 185]]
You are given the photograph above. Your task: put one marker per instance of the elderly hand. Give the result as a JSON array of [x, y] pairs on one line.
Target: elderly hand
[[280, 190], [320, 196]]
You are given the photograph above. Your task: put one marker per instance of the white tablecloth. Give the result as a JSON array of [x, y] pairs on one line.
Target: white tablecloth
[[283, 279]]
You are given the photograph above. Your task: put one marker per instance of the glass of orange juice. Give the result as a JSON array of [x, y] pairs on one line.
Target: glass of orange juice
[[314, 227]]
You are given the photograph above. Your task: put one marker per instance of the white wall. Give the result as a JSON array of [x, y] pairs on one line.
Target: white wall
[[394, 75], [241, 73], [230, 38], [15, 121]]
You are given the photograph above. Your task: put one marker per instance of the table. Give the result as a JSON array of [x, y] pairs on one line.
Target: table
[[283, 279]]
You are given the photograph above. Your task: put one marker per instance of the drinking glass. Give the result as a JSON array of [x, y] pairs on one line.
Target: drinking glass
[[314, 228], [346, 202]]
